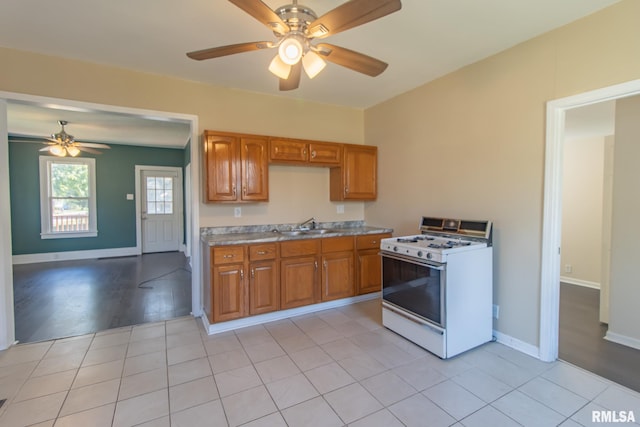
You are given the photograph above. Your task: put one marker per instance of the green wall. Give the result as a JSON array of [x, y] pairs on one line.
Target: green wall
[[115, 177]]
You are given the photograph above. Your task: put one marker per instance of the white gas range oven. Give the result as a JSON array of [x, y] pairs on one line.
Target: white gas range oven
[[437, 286]]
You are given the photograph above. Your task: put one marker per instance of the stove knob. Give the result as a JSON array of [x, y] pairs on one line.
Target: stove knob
[[395, 249], [419, 254], [429, 256]]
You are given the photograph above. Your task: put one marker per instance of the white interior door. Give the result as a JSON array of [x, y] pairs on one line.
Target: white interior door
[[161, 211]]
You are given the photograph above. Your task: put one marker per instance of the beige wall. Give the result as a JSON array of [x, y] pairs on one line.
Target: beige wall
[[582, 206], [296, 193], [624, 315], [471, 145]]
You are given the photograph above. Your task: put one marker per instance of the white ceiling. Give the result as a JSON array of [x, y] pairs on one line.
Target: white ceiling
[[424, 40]]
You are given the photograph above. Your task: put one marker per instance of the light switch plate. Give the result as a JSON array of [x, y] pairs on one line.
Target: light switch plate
[[129, 196], [237, 212], [340, 209]]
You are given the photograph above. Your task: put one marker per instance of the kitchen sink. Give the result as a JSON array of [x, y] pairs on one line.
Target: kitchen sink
[[303, 232]]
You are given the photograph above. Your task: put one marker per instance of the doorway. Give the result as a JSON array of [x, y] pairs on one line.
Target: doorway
[[160, 208], [7, 319], [552, 214]]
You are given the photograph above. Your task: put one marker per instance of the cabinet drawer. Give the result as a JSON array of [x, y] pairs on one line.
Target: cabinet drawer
[[228, 254], [286, 150], [299, 248], [326, 154], [370, 241], [337, 244], [260, 252]]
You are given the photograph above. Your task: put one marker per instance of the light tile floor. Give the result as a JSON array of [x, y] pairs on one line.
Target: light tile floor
[[332, 368]]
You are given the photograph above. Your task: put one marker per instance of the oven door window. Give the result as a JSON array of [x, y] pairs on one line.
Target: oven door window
[[414, 287]]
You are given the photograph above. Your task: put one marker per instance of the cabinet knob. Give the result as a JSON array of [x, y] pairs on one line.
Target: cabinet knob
[[346, 190], [242, 274], [244, 190], [233, 188], [262, 252], [229, 256], [253, 273], [315, 263], [313, 154]]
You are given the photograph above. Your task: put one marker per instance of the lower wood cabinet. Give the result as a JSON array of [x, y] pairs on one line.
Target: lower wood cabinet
[[299, 273], [229, 292], [247, 280], [369, 263], [228, 286], [337, 268], [264, 279]]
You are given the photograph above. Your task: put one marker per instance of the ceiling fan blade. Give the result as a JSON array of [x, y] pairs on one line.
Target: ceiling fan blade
[[294, 78], [264, 14], [351, 14], [91, 145], [88, 150], [232, 49], [353, 60]]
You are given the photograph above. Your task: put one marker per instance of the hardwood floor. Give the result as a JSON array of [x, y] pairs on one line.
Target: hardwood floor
[[70, 298], [581, 339]]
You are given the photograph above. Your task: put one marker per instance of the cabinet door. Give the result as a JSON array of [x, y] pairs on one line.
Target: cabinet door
[[369, 271], [221, 158], [254, 165], [288, 151], [263, 287], [337, 276], [228, 295], [325, 153], [298, 279], [357, 178]]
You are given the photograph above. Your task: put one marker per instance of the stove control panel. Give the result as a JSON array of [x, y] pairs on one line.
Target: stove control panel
[[391, 245]]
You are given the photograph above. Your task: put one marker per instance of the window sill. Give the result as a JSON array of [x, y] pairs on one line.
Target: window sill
[[70, 235]]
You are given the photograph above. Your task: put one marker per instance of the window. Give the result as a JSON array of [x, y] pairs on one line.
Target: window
[[67, 197], [159, 195]]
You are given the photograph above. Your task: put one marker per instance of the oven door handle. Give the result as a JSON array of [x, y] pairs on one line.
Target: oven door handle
[[435, 266]]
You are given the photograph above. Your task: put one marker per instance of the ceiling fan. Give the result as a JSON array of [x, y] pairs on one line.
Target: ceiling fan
[[62, 144], [296, 26]]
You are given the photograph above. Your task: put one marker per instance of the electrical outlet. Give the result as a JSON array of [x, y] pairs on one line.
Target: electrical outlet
[[340, 209], [237, 212], [496, 311], [568, 268]]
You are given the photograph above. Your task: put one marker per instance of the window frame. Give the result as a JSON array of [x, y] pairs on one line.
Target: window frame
[[46, 231]]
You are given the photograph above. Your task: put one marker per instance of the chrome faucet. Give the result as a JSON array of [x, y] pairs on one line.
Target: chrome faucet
[[311, 220]]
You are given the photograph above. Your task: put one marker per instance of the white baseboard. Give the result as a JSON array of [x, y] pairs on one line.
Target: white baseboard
[[74, 255], [217, 328], [579, 282], [516, 344], [622, 339]]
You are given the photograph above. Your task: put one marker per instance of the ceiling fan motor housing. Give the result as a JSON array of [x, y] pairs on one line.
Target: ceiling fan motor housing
[[297, 17]]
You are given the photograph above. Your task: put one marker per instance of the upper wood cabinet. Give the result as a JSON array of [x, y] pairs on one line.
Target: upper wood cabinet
[[303, 152], [236, 167], [357, 178]]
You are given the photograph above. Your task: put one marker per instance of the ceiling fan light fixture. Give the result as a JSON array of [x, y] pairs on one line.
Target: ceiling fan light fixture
[[291, 50], [58, 150], [73, 150], [279, 68], [313, 64]]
